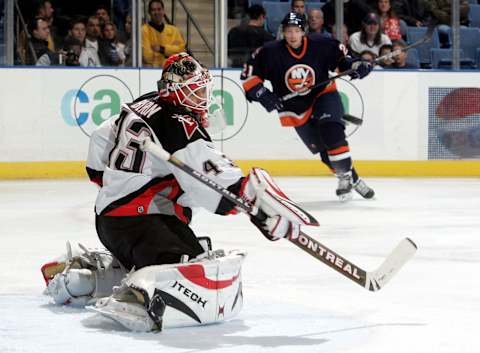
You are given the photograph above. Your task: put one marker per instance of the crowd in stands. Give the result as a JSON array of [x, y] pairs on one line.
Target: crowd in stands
[[373, 28], [99, 33], [90, 38]]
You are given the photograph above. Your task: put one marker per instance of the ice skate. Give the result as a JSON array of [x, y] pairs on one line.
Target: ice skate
[[344, 188], [363, 189]]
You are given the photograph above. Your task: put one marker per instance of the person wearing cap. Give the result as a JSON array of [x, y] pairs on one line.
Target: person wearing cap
[[370, 37], [299, 64]]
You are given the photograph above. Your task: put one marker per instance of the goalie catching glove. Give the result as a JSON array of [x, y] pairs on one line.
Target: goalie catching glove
[[273, 213]]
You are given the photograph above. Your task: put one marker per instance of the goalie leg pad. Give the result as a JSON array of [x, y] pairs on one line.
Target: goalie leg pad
[[178, 295]]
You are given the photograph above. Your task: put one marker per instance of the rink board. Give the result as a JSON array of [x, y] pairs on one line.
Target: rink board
[[415, 123]]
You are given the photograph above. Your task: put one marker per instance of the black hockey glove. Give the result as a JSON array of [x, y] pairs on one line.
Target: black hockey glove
[[268, 99], [361, 69]]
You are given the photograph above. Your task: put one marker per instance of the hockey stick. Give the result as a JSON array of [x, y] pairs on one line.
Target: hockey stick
[[352, 119], [426, 38], [372, 281]]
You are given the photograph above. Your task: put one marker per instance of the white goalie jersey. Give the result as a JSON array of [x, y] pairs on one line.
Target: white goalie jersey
[[134, 182]]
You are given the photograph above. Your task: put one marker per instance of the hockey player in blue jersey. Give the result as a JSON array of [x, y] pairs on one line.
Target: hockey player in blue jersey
[[296, 64]]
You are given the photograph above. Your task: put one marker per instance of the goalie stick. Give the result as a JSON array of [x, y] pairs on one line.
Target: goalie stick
[[373, 280], [426, 38]]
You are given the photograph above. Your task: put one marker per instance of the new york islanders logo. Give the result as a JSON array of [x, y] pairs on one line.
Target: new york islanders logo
[[190, 125], [299, 78]]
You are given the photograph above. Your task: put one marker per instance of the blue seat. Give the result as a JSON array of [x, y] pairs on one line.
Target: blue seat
[[276, 11], [416, 33], [477, 60], [474, 15], [313, 5], [403, 28], [442, 59], [412, 58], [469, 41], [2, 54], [260, 2], [475, 2]]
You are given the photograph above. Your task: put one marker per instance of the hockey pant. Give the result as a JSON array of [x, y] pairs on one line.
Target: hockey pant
[[139, 241]]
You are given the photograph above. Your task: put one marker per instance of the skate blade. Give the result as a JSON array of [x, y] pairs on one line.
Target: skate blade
[[345, 197]]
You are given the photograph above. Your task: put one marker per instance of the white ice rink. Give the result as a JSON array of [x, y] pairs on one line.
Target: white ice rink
[[292, 302]]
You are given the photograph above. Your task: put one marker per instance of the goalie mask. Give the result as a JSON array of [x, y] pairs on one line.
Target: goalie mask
[[185, 82]]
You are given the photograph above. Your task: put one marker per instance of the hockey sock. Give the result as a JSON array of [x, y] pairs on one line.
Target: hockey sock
[[354, 175], [326, 161], [338, 151], [340, 159]]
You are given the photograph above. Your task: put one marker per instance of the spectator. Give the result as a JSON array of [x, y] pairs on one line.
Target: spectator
[[245, 38], [390, 23], [413, 12], [45, 10], [72, 49], [159, 39], [237, 8], [384, 50], [113, 45], [370, 37], [353, 12], [91, 41], [315, 22], [102, 14], [39, 31], [297, 6], [441, 10], [128, 43], [77, 30], [121, 9], [344, 38], [367, 55], [400, 60]]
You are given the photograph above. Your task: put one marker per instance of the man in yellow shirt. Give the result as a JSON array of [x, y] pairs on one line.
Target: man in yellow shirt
[[159, 39]]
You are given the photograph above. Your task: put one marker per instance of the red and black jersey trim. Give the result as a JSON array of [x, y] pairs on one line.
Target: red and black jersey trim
[[96, 176], [226, 206], [138, 202]]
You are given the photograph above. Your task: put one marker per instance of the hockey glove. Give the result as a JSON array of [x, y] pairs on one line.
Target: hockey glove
[[277, 216], [276, 227], [361, 69], [265, 97]]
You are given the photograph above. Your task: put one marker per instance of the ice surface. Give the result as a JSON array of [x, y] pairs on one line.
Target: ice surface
[[293, 303]]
